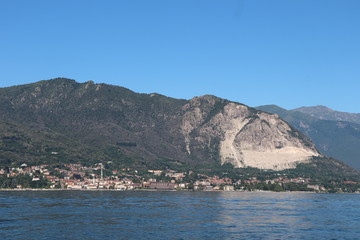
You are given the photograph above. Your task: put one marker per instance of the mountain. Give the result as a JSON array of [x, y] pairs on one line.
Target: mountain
[[339, 139], [60, 120], [325, 113]]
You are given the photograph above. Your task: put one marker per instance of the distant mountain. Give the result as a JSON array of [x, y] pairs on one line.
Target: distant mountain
[[339, 139], [325, 113], [60, 120]]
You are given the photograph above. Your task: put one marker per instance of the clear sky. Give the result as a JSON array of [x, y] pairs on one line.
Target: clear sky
[[287, 52]]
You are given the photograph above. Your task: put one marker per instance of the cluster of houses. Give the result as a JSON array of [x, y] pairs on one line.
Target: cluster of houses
[[77, 176], [126, 181], [25, 170]]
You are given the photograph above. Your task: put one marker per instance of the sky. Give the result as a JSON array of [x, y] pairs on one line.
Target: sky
[[256, 52]]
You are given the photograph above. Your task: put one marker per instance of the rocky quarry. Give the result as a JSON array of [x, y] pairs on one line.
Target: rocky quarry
[[245, 137]]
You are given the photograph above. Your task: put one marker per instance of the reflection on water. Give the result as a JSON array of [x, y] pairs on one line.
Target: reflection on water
[[265, 215], [177, 215], [291, 215]]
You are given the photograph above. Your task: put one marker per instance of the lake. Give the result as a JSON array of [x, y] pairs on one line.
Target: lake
[[177, 215]]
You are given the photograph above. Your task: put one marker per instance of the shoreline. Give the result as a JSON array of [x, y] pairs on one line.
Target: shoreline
[[148, 190]]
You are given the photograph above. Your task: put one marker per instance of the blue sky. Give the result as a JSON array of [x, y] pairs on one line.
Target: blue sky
[[290, 53]]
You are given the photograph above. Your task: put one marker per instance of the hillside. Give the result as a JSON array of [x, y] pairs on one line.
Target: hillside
[[60, 120], [339, 139]]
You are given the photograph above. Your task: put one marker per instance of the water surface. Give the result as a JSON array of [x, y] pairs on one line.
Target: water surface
[[178, 215]]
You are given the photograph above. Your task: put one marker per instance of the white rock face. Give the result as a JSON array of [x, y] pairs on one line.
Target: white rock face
[[243, 136]]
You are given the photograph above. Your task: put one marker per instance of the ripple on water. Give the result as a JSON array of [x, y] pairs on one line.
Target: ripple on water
[[178, 215]]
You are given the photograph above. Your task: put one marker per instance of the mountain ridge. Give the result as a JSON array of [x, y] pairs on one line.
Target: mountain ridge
[[326, 113], [116, 124]]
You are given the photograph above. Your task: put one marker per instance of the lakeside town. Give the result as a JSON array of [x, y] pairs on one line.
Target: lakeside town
[[78, 177]]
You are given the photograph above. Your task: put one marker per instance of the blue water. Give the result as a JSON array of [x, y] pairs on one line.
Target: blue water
[[178, 215]]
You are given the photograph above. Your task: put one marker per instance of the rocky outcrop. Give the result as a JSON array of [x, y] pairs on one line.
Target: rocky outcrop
[[243, 136]]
